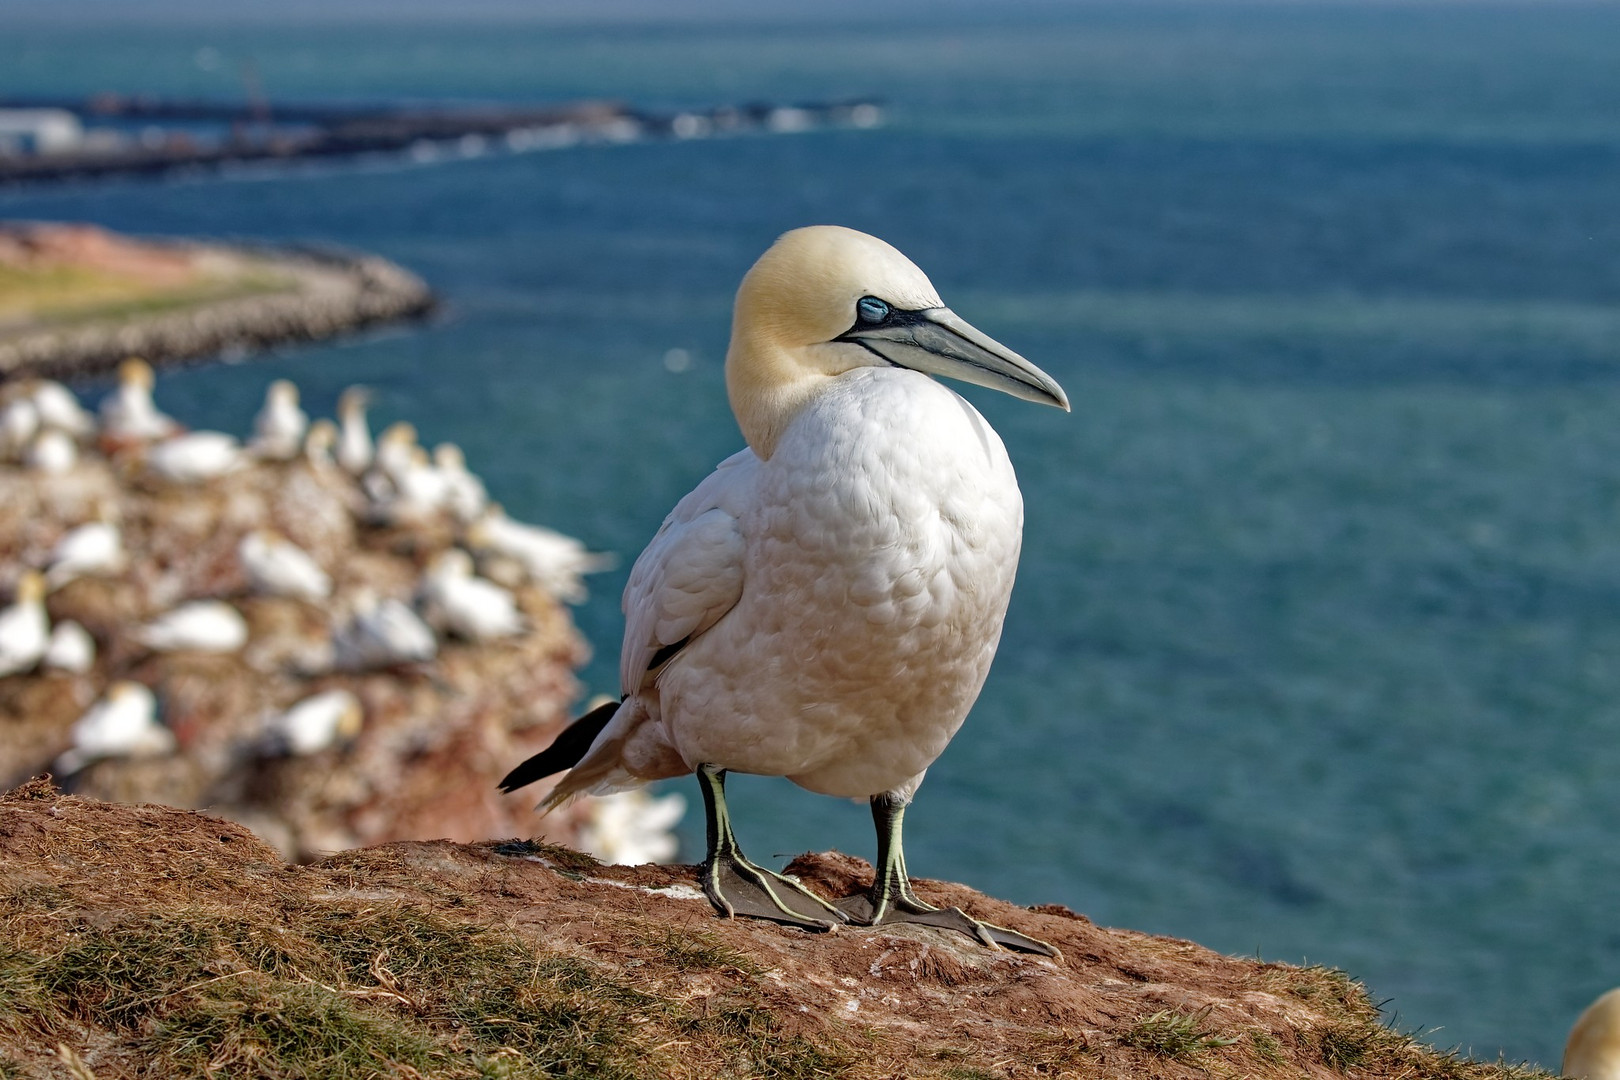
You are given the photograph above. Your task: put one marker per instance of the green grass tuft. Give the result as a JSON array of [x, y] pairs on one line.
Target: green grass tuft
[[1173, 1034]]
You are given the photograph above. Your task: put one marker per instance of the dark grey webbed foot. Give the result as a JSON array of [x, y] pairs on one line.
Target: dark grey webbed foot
[[736, 886], [892, 901], [861, 908]]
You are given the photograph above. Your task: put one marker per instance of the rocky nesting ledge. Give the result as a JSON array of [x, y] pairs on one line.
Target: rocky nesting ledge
[[333, 641]]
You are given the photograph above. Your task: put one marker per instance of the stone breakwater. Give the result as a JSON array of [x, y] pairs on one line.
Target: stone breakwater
[[225, 299]]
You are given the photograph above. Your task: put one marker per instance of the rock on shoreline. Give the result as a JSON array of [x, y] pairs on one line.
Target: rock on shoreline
[[203, 299]]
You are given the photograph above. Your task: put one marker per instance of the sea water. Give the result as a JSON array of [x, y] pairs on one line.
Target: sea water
[[1315, 651]]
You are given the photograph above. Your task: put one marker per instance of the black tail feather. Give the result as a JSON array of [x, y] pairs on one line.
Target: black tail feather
[[565, 750]]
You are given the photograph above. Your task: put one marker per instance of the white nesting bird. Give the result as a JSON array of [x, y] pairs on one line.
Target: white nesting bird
[[555, 562], [276, 566], [59, 409], [52, 452], [19, 422], [128, 414], [382, 633], [354, 449], [317, 722], [124, 723], [826, 604], [278, 429], [209, 626], [468, 606], [71, 648], [194, 457], [629, 828], [25, 629], [1593, 1049], [464, 494], [93, 549], [318, 444]]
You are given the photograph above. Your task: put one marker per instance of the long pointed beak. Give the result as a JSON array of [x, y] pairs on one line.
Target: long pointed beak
[[940, 342]]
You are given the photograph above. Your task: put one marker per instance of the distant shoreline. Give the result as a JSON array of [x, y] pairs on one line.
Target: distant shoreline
[[237, 297]]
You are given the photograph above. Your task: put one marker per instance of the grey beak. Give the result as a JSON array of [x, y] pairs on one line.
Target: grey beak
[[940, 342]]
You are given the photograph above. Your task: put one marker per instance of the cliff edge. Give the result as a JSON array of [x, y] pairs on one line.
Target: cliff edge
[[144, 941]]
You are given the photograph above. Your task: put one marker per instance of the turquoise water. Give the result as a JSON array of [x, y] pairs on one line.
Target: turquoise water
[[1314, 650]]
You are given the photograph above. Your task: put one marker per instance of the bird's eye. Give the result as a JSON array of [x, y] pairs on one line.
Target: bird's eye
[[871, 309]]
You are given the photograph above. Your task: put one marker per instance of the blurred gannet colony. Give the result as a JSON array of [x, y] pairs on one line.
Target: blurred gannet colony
[[333, 639]]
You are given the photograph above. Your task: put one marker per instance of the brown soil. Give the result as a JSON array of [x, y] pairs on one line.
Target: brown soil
[[142, 941]]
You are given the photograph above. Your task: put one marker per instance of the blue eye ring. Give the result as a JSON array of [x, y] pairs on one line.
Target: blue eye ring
[[869, 309]]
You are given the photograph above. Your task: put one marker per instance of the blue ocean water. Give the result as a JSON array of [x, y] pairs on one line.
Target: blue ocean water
[[1314, 650]]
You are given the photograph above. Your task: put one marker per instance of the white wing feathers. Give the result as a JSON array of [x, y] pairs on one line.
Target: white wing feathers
[[689, 576]]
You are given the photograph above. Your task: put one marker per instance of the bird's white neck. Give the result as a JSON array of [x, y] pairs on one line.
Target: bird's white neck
[[768, 387]]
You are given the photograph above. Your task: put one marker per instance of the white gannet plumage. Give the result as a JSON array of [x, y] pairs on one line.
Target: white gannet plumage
[[278, 429], [629, 828], [194, 457], [468, 606], [60, 410], [318, 444], [826, 604], [354, 448], [123, 723], [1593, 1049], [316, 722], [553, 561], [210, 626], [465, 495], [25, 629], [71, 649], [382, 632], [19, 422], [128, 414], [276, 566], [52, 452], [94, 548]]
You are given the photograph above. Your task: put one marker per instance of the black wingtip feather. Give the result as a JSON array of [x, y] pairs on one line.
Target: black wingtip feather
[[565, 751]]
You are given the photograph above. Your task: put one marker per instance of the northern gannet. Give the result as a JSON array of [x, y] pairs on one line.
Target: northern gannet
[[96, 547], [464, 494], [210, 626], [194, 457], [382, 633], [826, 604], [71, 649], [25, 629], [354, 437], [465, 605], [127, 414], [555, 562], [1593, 1049], [317, 722], [629, 828], [278, 429], [52, 452], [276, 566], [19, 421], [318, 444], [124, 723], [60, 410]]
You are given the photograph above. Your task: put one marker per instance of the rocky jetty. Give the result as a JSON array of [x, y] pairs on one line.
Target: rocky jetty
[[76, 299], [333, 656], [146, 941]]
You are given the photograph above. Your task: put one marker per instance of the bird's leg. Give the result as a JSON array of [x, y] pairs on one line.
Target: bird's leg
[[736, 886], [891, 899]]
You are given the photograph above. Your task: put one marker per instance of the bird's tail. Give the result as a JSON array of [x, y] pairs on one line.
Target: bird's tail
[[565, 750]]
